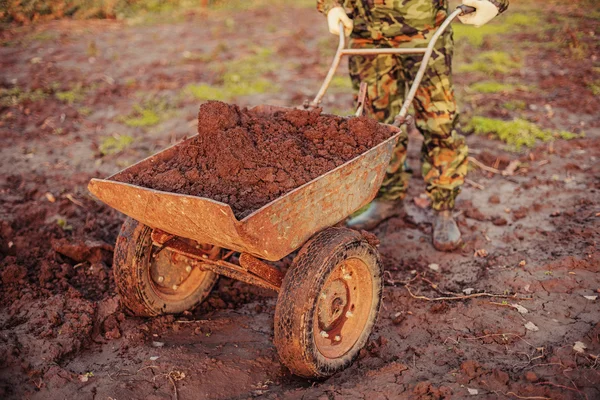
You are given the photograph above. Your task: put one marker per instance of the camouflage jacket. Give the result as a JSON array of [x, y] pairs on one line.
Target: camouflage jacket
[[399, 20]]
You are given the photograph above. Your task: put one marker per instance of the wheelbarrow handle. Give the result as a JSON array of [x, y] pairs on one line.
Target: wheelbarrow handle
[[343, 51]]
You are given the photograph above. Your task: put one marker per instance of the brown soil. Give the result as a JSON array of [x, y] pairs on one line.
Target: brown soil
[[64, 333], [247, 159]]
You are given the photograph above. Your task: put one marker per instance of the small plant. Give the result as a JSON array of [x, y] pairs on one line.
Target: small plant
[[115, 144], [516, 133], [65, 226], [86, 377]]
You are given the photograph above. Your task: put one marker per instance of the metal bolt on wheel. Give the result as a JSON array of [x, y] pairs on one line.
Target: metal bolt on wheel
[[328, 303]]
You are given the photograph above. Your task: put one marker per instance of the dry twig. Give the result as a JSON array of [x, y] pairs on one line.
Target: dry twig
[[508, 171], [526, 397], [74, 200], [499, 334], [474, 184], [483, 166], [464, 297], [575, 389]]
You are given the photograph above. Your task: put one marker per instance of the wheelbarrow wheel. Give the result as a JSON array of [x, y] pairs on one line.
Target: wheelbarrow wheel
[[153, 281], [328, 303]]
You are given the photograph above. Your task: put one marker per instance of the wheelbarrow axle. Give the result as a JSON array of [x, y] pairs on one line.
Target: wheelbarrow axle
[[251, 270]]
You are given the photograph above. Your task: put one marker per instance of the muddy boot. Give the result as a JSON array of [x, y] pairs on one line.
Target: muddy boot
[[378, 211], [446, 236]]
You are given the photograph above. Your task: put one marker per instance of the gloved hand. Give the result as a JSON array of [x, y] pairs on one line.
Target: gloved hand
[[486, 10], [334, 16]]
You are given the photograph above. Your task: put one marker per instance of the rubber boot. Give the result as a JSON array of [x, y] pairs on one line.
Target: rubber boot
[[378, 211], [446, 235]]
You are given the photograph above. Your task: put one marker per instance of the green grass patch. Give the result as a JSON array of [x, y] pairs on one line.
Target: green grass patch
[[240, 77], [341, 82], [490, 62], [515, 105], [15, 96], [496, 87], [260, 61], [500, 25], [232, 87], [148, 113], [84, 111], [144, 117], [115, 144], [517, 133], [594, 87], [74, 95], [475, 36], [492, 87]]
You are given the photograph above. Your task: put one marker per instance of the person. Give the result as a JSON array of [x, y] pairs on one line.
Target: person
[[411, 23]]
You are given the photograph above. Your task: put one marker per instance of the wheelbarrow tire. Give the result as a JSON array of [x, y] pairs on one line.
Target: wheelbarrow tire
[[328, 303], [131, 267]]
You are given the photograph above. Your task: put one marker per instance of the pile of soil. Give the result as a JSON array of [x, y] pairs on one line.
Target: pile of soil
[[247, 159]]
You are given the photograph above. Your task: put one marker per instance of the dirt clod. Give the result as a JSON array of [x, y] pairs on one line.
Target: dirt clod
[[494, 199], [531, 376], [499, 221]]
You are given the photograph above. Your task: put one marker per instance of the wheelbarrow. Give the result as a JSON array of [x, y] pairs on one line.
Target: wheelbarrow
[[172, 247]]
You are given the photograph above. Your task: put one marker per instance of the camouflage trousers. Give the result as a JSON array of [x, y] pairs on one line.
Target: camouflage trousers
[[444, 151]]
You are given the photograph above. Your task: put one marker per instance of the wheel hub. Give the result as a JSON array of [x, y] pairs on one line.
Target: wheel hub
[[343, 308], [169, 270], [173, 275], [335, 298]]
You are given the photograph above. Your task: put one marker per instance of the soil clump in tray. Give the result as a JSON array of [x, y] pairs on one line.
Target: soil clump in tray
[[247, 159]]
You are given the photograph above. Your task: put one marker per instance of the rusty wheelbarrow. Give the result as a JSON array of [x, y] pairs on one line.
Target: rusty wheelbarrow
[[172, 247]]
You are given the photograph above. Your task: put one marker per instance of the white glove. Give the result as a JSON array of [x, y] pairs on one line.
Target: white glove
[[337, 15], [484, 14]]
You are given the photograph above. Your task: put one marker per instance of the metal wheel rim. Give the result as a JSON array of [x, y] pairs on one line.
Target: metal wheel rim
[[172, 276], [343, 308]]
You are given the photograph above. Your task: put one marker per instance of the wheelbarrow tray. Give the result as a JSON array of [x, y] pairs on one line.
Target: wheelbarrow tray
[[271, 232]]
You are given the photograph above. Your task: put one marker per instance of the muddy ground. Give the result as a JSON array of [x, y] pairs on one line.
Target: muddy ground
[[86, 99]]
